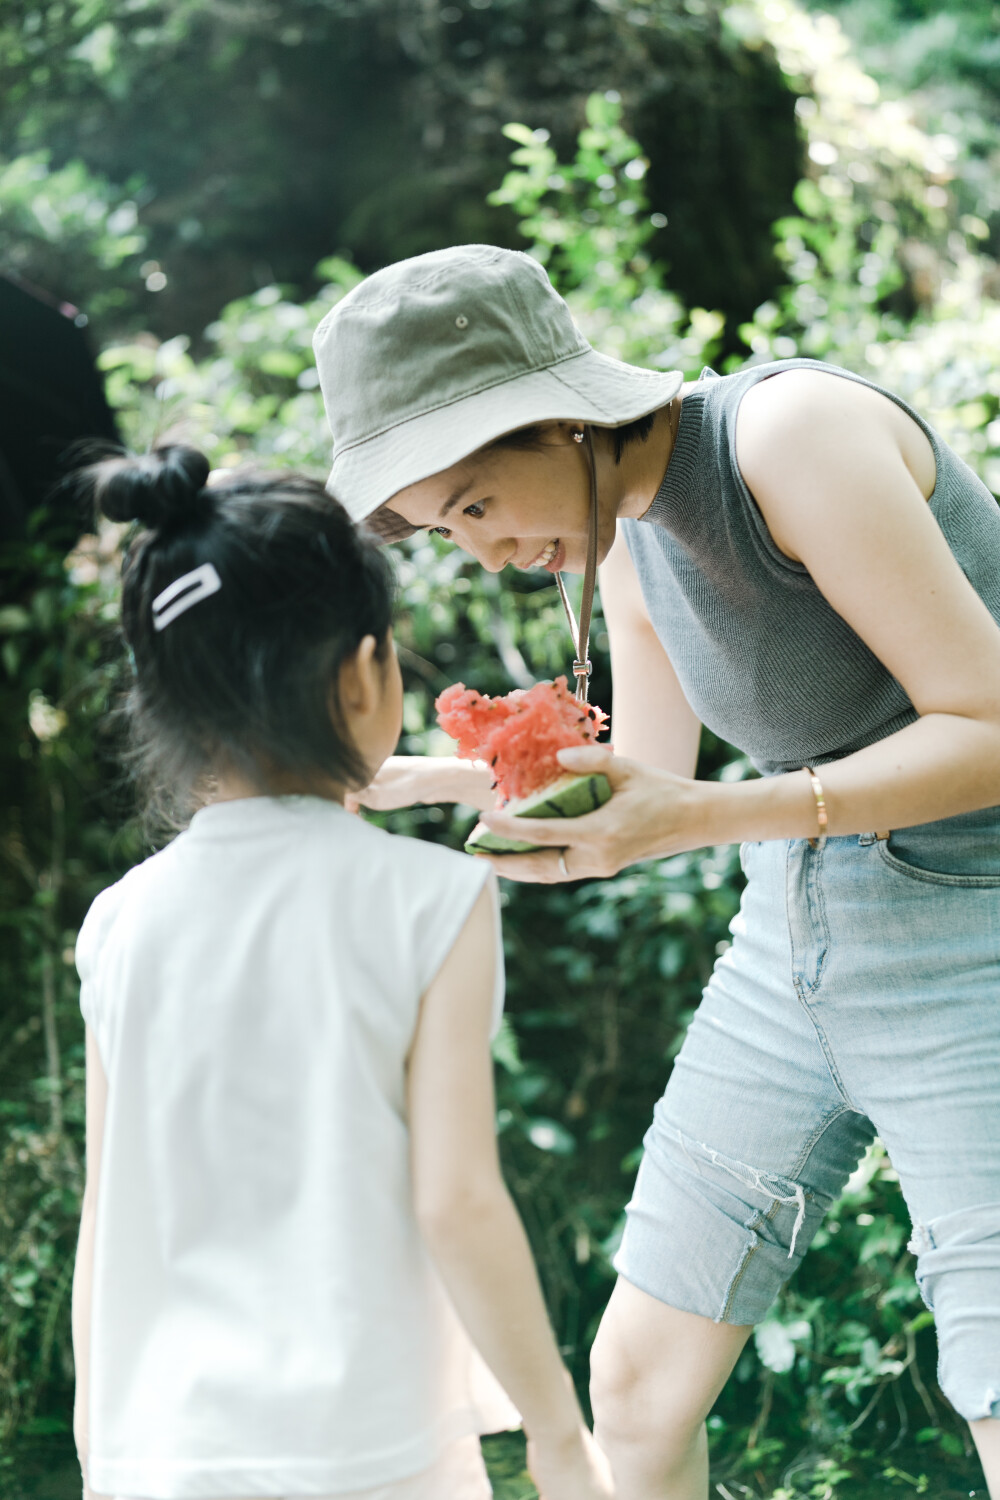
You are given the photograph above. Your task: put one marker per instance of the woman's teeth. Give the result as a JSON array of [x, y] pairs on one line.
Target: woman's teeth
[[544, 558]]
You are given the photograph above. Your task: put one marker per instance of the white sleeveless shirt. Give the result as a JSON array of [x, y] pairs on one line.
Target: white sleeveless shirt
[[265, 1319]]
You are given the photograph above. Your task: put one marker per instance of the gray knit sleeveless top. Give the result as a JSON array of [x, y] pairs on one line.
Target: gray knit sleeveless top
[[764, 660]]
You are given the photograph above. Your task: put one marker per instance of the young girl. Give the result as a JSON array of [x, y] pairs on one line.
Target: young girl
[[295, 1236]]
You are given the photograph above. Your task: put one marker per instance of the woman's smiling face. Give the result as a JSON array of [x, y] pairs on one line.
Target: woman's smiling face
[[529, 506]]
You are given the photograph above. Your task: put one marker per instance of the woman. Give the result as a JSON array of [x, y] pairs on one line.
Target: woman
[[792, 556]]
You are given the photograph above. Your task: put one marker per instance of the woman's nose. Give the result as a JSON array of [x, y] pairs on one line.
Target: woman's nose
[[494, 556]]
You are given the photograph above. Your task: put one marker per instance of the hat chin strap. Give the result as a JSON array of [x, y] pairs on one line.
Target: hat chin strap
[[580, 632]]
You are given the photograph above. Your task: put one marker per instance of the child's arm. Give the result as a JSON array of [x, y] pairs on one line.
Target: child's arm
[[97, 1093], [403, 780], [469, 1222]]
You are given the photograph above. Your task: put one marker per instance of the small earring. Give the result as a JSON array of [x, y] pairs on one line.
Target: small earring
[[578, 437]]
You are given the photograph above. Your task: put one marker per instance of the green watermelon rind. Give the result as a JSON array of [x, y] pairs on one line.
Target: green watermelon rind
[[570, 797]]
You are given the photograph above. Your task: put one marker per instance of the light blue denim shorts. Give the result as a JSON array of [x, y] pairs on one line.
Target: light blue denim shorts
[[860, 995]]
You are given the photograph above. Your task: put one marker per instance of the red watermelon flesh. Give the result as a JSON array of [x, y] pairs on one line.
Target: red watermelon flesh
[[519, 735]]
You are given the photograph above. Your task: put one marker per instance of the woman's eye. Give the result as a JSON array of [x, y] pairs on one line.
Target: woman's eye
[[475, 510]]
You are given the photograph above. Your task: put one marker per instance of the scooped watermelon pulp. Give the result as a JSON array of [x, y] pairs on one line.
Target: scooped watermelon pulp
[[519, 736]]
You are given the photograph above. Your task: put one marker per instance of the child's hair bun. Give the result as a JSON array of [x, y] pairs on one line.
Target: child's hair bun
[[159, 489]]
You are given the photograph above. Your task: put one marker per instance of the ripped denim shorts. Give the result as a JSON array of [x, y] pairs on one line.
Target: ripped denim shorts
[[860, 995]]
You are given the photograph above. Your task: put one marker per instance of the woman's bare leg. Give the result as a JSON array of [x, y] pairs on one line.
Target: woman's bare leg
[[655, 1375], [987, 1439]]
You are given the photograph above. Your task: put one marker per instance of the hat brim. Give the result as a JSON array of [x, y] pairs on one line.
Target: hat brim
[[586, 387]]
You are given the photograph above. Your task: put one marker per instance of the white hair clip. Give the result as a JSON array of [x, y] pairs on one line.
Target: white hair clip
[[178, 596]]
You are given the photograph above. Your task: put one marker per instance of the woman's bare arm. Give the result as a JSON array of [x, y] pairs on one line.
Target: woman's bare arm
[[653, 721], [833, 473]]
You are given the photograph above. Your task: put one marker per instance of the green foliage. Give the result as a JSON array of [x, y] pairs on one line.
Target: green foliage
[[588, 224], [864, 252], [602, 981], [257, 392], [886, 274], [849, 1349], [943, 58], [594, 232], [59, 845], [264, 137], [68, 229]]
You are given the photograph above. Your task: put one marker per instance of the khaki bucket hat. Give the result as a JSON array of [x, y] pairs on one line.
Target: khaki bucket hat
[[430, 358]]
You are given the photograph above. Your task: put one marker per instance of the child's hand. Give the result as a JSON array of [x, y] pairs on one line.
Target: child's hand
[[577, 1470], [404, 780]]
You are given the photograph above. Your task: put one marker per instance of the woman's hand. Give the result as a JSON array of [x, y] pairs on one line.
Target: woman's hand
[[650, 813], [404, 780], [576, 1470]]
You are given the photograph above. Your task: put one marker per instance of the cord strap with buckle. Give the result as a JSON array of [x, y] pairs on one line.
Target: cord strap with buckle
[[580, 630]]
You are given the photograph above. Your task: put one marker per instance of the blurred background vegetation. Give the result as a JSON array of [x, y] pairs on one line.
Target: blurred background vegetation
[[707, 183]]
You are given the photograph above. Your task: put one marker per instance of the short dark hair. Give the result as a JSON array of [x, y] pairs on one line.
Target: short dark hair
[[245, 678], [388, 526]]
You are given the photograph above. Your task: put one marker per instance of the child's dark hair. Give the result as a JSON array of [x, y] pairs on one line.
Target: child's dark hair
[[245, 678]]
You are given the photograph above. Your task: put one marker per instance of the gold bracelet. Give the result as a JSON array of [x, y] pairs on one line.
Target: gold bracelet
[[821, 817]]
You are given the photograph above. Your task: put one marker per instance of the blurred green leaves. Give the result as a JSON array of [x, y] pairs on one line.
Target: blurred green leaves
[[52, 216], [588, 221]]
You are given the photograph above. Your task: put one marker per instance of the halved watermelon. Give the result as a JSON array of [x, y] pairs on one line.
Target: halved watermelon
[[519, 736]]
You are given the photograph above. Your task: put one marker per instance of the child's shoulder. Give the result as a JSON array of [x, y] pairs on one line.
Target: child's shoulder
[[419, 887], [434, 890], [104, 911], [417, 860]]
